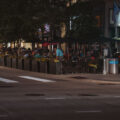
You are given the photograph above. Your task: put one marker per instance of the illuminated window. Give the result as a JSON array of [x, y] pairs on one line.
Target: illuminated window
[[71, 3]]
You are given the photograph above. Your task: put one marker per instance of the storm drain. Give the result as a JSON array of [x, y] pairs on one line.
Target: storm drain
[[79, 77], [35, 94], [8, 86], [87, 95], [107, 84]]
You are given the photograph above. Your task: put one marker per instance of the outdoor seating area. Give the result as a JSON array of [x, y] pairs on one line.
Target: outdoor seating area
[[51, 65], [43, 65], [44, 61]]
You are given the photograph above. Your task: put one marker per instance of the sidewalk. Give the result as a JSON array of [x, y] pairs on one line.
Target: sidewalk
[[97, 78], [93, 77], [109, 77]]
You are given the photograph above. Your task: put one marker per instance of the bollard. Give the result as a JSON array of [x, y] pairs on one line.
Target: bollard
[[106, 66]]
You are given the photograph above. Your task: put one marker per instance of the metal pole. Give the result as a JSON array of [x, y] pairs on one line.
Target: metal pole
[[106, 66], [116, 32]]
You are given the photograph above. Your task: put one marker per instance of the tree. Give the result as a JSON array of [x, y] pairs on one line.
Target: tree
[[83, 22], [22, 18]]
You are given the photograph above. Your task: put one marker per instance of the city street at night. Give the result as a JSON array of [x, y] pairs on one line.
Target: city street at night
[[36, 96], [59, 59]]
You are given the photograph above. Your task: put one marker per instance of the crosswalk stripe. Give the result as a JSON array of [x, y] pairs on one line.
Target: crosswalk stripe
[[7, 80], [36, 79]]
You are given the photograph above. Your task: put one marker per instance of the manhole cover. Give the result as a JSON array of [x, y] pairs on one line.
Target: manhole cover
[[87, 95], [79, 77], [35, 94]]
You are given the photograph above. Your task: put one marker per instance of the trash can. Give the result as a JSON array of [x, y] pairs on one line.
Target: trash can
[[113, 66], [106, 66]]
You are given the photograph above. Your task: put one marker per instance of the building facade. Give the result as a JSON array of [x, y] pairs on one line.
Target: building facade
[[109, 19]]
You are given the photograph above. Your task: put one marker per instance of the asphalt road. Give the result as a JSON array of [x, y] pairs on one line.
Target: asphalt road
[[34, 96]]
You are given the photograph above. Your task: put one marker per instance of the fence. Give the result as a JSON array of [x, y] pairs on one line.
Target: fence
[[53, 67]]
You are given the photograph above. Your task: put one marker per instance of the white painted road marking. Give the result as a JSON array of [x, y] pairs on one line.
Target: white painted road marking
[[95, 111], [36, 79], [7, 80]]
